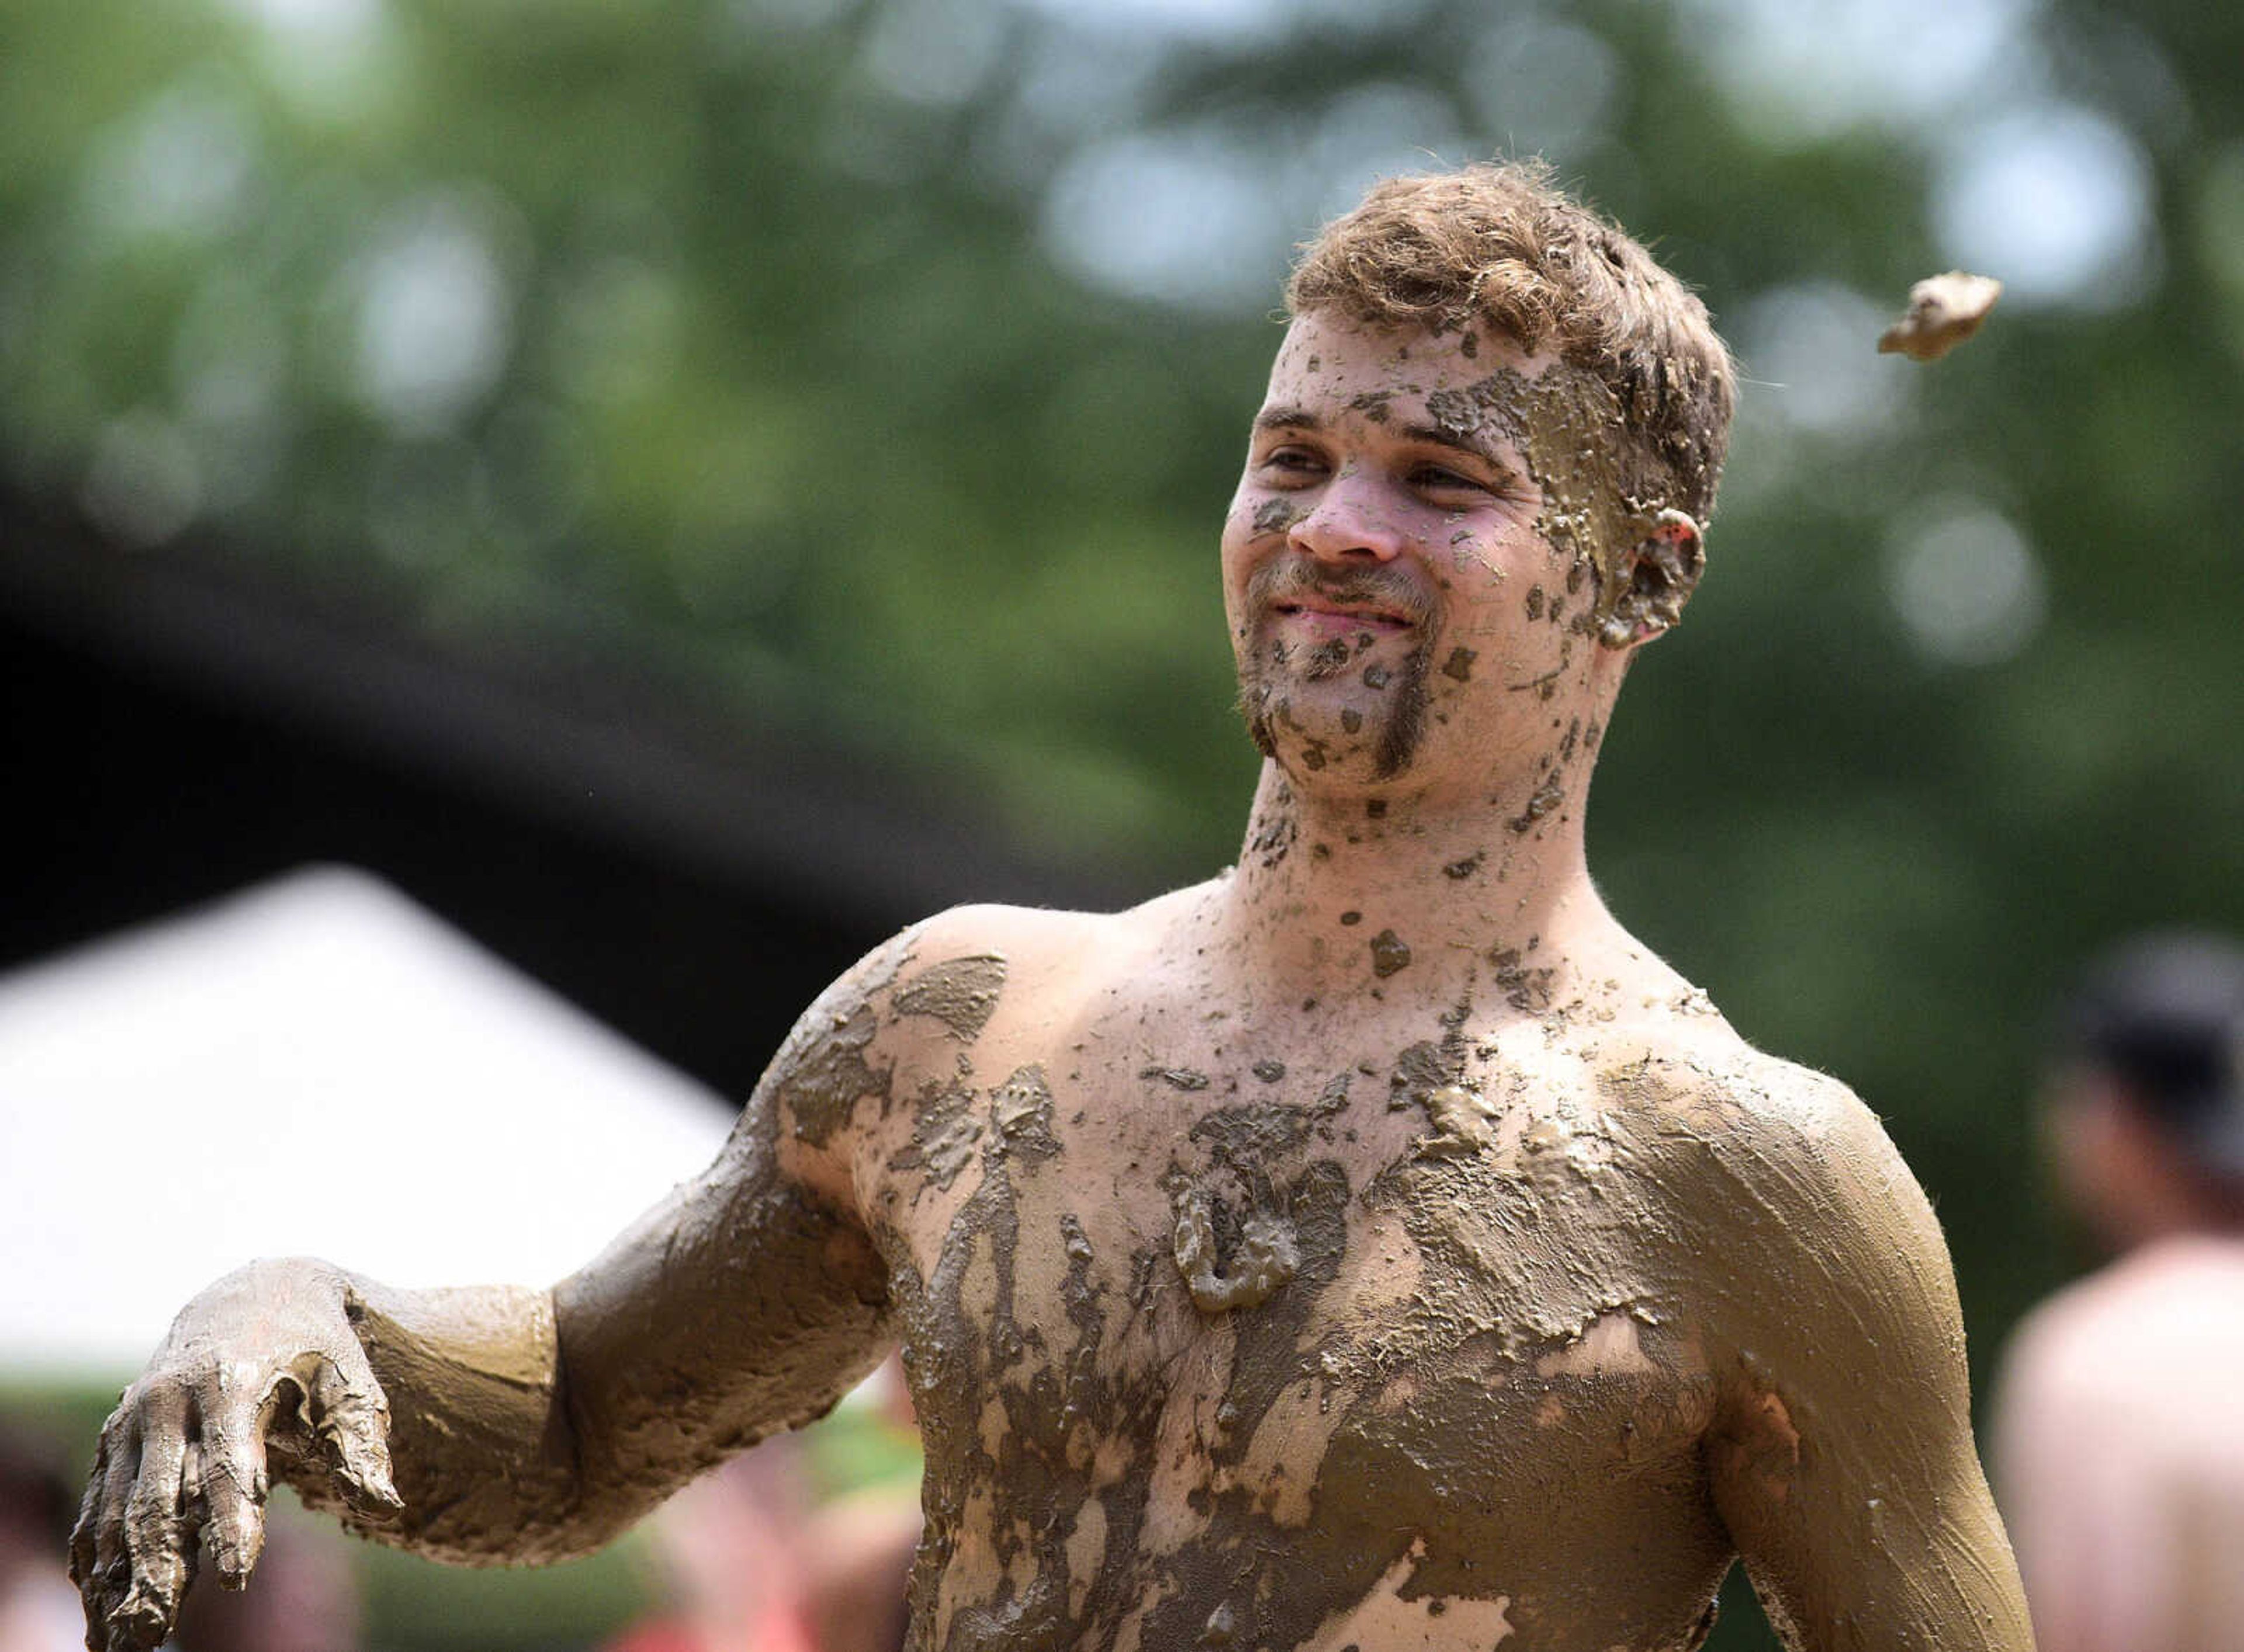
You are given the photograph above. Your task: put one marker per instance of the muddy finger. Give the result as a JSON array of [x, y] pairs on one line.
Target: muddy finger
[[352, 1416], [234, 1482], [89, 1516], [159, 1537], [111, 1573], [84, 1570]]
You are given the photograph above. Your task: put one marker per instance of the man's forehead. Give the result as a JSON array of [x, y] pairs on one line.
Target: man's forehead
[[1335, 353]]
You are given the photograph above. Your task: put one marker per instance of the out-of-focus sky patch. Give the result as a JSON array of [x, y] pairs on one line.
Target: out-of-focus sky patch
[[183, 164], [744, 23], [2052, 196], [1798, 70], [1543, 86], [1205, 215], [926, 52], [433, 300], [1371, 132], [1806, 349], [1134, 214], [2055, 199], [335, 61], [1234, 22], [1964, 583]]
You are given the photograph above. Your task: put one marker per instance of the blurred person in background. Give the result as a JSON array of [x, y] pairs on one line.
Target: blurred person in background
[[39, 1608], [2117, 1442], [733, 1548], [752, 1560]]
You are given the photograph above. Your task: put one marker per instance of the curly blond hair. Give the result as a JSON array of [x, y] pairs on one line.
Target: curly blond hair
[[1499, 244]]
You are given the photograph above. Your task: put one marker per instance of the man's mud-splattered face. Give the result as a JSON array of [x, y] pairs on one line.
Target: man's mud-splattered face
[[1407, 570]]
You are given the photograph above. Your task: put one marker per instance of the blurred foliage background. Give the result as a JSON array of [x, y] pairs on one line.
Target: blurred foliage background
[[883, 365]]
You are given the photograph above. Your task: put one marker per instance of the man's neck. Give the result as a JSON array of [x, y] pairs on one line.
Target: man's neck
[[1340, 896]]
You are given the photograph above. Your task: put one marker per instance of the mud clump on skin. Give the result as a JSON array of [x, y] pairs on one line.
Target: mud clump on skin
[[1524, 986], [1266, 1257], [1570, 426], [1273, 515], [833, 1076], [821, 1073], [961, 992], [946, 1136], [1389, 954], [1272, 837], [1186, 1078], [1546, 797]]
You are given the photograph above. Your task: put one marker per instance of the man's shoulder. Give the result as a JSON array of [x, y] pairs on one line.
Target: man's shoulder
[[1020, 935], [1695, 1062], [1039, 941], [1771, 1129], [1789, 1178]]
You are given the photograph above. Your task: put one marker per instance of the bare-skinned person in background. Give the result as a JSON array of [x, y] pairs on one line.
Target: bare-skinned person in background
[[753, 1560], [1373, 1246], [2119, 1426]]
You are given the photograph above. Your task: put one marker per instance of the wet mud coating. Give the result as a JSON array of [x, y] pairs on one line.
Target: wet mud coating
[[1944, 311], [1569, 426], [1458, 1339]]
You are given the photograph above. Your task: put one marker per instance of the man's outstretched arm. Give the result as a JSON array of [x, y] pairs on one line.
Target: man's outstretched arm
[[507, 1424], [1841, 1460]]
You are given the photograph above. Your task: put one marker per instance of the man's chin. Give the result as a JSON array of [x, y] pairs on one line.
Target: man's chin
[[1320, 729]]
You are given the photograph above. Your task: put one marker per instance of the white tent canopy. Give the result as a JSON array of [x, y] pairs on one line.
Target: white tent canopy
[[315, 1066]]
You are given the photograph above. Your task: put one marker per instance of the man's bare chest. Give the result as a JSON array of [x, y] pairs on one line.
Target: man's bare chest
[[1393, 1306], [1133, 1234]]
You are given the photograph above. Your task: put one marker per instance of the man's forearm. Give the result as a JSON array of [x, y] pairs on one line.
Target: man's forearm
[[481, 1450], [531, 1425]]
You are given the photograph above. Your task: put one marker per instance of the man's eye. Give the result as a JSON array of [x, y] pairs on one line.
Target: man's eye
[[1441, 479], [1292, 461]]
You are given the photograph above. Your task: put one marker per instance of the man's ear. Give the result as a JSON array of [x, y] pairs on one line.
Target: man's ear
[[1654, 580]]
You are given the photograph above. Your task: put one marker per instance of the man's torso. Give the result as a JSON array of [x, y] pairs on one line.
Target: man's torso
[[1234, 1322]]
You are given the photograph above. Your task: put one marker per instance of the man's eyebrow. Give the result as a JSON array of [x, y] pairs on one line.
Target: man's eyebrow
[[1457, 441], [1469, 443]]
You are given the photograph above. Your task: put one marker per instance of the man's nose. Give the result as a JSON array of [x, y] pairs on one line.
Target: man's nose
[[1349, 522]]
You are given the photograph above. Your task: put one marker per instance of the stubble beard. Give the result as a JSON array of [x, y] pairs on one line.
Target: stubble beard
[[1269, 668]]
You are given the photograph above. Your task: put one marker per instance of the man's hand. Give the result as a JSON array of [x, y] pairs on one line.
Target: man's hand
[[265, 1358]]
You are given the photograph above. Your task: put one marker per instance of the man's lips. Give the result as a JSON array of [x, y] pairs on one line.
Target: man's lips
[[1319, 605], [1331, 619]]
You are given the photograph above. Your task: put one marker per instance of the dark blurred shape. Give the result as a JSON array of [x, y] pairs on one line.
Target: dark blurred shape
[[176, 730], [39, 1608], [2119, 1435], [304, 1597], [2164, 1018]]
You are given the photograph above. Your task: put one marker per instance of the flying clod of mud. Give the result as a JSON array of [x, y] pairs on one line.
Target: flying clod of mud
[[1944, 311]]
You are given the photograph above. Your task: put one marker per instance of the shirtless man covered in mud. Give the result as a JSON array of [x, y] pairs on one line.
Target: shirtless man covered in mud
[[1372, 1247]]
